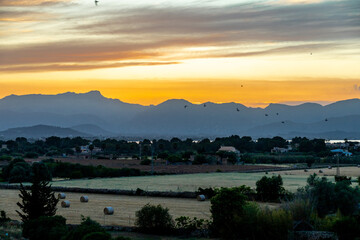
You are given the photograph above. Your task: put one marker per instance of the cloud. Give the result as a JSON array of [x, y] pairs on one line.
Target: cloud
[[112, 36], [78, 67], [241, 23], [30, 2]]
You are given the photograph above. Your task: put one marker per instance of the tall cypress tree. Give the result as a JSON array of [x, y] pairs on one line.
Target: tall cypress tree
[[39, 201]]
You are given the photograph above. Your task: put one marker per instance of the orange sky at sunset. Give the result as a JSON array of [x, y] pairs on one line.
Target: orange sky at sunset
[[251, 52]]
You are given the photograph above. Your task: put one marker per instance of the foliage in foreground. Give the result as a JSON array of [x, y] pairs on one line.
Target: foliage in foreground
[[235, 218], [45, 228], [39, 201], [154, 219]]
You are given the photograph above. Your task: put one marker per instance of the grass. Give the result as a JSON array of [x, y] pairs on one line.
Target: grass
[[184, 182], [191, 182], [124, 207]]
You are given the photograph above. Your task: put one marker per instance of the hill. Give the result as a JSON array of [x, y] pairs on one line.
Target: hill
[[93, 114]]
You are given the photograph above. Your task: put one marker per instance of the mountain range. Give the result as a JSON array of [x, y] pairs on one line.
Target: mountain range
[[93, 115]]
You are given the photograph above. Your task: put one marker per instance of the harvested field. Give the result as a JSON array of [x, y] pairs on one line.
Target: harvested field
[[344, 171], [183, 182], [124, 206], [160, 166]]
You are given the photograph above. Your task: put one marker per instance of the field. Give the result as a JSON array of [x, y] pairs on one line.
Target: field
[[191, 182], [345, 171], [161, 167], [124, 207], [183, 182]]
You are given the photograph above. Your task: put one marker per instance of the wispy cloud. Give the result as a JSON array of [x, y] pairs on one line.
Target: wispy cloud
[[113, 36], [78, 67], [30, 2]]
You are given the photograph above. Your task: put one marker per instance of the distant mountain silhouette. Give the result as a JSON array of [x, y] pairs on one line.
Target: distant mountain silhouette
[[41, 131], [93, 114]]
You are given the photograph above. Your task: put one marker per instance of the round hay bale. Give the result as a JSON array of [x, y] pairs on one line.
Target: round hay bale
[[61, 195], [201, 197], [320, 171], [65, 204], [84, 199], [108, 211]]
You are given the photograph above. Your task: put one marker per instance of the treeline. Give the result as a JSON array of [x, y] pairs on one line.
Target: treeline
[[55, 146], [18, 171]]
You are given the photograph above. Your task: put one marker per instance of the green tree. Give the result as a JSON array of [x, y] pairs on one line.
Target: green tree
[[154, 219], [227, 207], [39, 201], [91, 148], [86, 227], [270, 188]]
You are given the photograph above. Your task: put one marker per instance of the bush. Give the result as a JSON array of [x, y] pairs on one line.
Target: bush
[[200, 159], [3, 217], [270, 188], [146, 161], [154, 219], [31, 155], [87, 226], [327, 197], [347, 228], [208, 192], [45, 228], [227, 206], [17, 171], [273, 224], [97, 236], [189, 225], [343, 179]]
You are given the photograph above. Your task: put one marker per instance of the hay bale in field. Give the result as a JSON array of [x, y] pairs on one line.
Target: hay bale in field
[[321, 171], [201, 197], [61, 195], [65, 204], [108, 211], [84, 199]]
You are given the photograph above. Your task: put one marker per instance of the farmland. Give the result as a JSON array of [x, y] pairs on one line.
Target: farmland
[[124, 206], [191, 182], [160, 165], [183, 182]]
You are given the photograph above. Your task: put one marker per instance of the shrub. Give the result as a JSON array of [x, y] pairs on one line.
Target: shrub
[[87, 226], [208, 192], [200, 159], [273, 224], [343, 179], [270, 188], [146, 161], [154, 219], [327, 197], [347, 228], [97, 236], [190, 225], [45, 228], [3, 217], [31, 155], [300, 209], [226, 209]]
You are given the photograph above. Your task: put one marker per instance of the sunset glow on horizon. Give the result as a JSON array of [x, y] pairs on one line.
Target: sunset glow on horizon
[[251, 52]]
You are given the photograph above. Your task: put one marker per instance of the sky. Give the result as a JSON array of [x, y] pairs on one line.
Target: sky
[[252, 52]]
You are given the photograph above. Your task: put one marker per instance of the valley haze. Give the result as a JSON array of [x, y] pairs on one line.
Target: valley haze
[[93, 115]]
